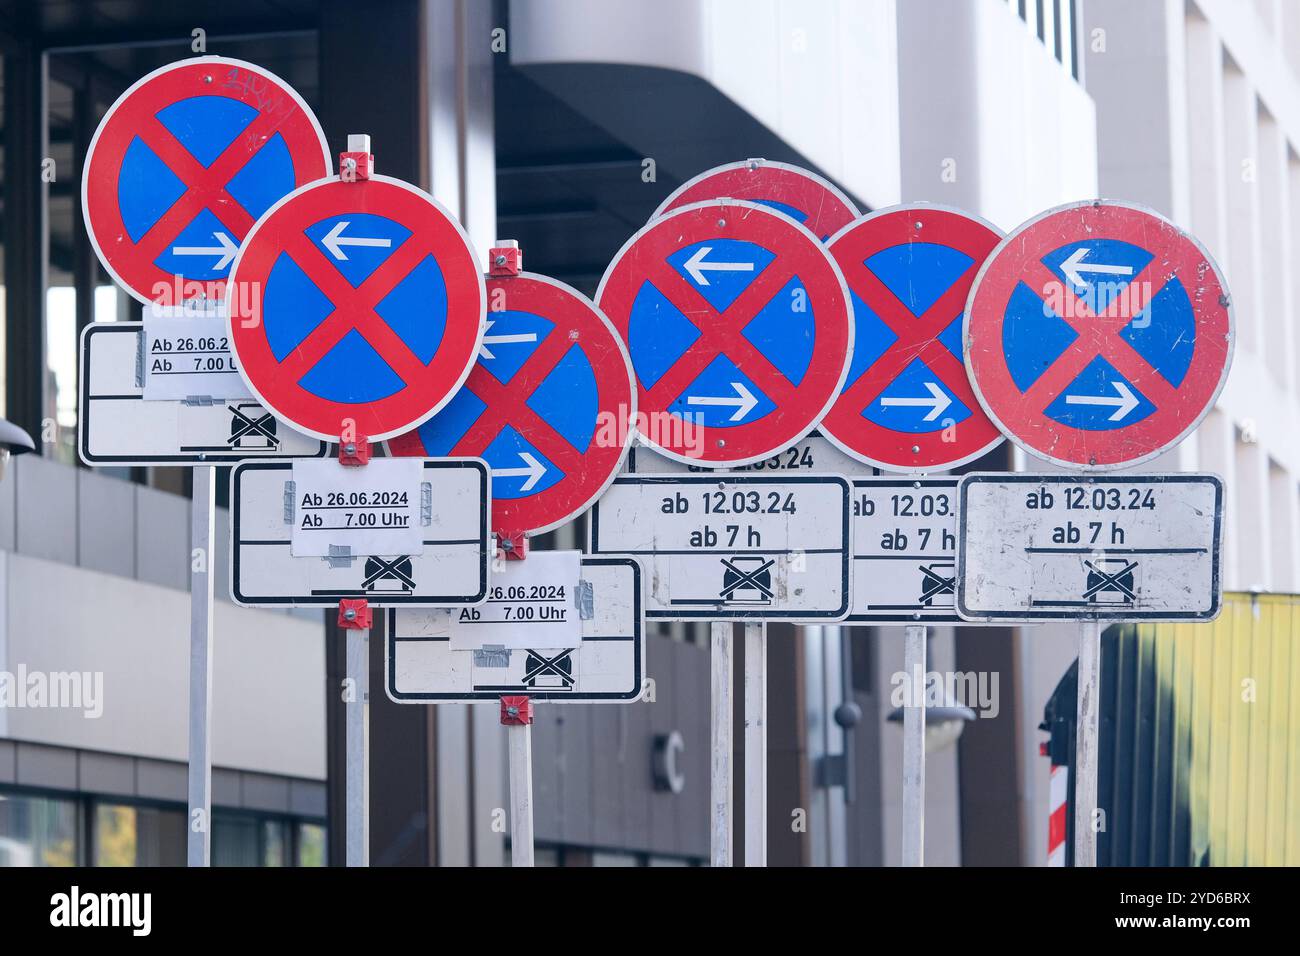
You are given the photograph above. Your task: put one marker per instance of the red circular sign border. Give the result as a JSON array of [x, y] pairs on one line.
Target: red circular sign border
[[94, 160], [977, 364], [506, 512], [812, 253], [716, 183], [252, 254], [908, 213]]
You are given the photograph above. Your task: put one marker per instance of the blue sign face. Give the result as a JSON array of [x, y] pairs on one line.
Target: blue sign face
[[782, 330], [916, 399], [206, 127], [1100, 274], [564, 396], [365, 365]]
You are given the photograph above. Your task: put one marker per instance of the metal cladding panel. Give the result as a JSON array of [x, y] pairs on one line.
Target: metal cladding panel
[[1197, 762]]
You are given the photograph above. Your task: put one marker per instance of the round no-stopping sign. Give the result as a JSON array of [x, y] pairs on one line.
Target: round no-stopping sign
[[737, 322], [184, 163], [549, 405], [1098, 335], [907, 403], [356, 307], [802, 195]]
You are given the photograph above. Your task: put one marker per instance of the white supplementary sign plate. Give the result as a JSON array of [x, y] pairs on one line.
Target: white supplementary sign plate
[[904, 551], [813, 453], [732, 547], [607, 663], [1068, 547], [379, 508], [531, 603], [118, 426], [187, 355], [450, 567]]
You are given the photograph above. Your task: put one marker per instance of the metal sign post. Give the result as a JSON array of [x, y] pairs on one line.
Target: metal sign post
[[517, 718], [1085, 755], [720, 743], [755, 743], [355, 619], [914, 747], [200, 753]]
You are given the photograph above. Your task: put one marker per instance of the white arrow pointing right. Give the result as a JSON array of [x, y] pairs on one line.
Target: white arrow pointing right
[[744, 402], [937, 402], [334, 241], [696, 266], [1073, 266], [225, 248], [1124, 404], [532, 471]]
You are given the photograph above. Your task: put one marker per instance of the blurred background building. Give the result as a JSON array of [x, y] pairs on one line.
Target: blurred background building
[[563, 124]]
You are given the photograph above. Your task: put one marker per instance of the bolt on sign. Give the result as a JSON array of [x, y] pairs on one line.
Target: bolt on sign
[[732, 547], [559, 627], [1098, 335], [907, 403], [181, 167], [738, 326], [1064, 547]]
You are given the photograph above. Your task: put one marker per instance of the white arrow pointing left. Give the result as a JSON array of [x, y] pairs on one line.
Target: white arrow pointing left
[[334, 240], [225, 248], [696, 266], [936, 402], [532, 471], [1073, 266], [485, 353], [1124, 404], [744, 401]]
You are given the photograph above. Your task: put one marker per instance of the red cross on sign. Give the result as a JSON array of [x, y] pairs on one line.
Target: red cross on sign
[[1098, 335], [356, 308], [181, 167], [737, 322], [907, 404], [549, 406]]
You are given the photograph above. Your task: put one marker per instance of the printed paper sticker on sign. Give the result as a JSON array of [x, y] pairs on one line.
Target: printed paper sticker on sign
[[356, 306], [187, 354], [737, 322], [1098, 335], [907, 404], [181, 167]]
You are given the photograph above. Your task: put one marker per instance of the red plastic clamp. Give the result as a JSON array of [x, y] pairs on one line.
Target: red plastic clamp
[[512, 547], [516, 711], [355, 453], [505, 258], [358, 163], [355, 614]]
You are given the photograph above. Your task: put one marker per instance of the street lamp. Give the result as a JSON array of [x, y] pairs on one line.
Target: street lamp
[[13, 441]]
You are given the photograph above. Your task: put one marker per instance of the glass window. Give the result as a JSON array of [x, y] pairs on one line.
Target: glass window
[[311, 844], [37, 831], [139, 836]]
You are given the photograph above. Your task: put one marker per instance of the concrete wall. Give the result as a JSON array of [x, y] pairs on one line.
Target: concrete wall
[[94, 577]]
